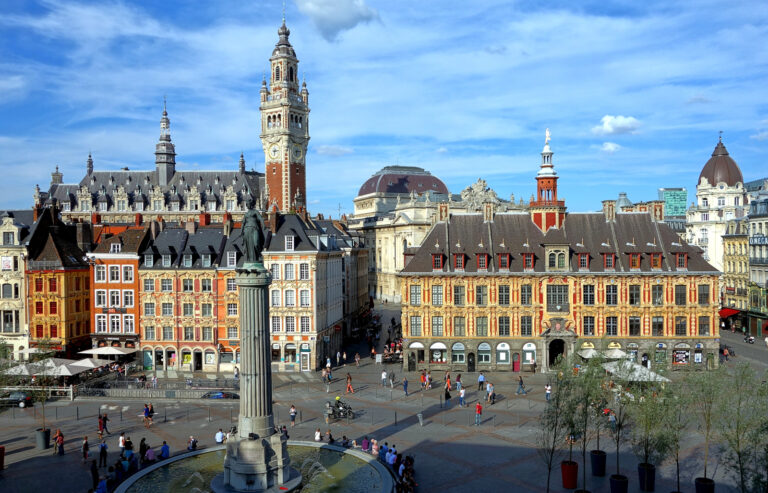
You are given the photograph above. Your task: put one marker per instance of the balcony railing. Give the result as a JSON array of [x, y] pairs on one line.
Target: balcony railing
[[758, 260], [558, 308]]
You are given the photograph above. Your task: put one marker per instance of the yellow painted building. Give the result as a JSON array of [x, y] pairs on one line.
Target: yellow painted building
[[736, 265]]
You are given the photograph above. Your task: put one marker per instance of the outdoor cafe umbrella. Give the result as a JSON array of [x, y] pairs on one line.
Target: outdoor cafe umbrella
[[23, 369], [109, 351], [615, 353], [633, 372], [588, 353], [90, 363]]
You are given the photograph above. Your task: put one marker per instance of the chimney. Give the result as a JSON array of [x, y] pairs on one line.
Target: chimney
[[138, 219], [160, 223], [609, 210], [657, 207], [191, 227], [36, 210], [205, 219], [84, 236], [272, 219], [95, 218], [443, 211], [153, 229]]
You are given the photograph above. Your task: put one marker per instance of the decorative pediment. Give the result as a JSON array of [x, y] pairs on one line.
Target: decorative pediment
[[477, 194]]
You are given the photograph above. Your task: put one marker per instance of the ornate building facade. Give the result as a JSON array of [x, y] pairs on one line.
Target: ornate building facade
[[720, 197], [736, 265], [502, 290], [15, 229], [285, 128]]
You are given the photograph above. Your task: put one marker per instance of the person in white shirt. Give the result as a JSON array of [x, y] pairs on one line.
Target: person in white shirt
[[220, 437], [401, 470], [384, 378], [318, 436]]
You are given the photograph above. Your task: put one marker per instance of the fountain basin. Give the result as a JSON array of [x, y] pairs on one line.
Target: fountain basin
[[323, 468]]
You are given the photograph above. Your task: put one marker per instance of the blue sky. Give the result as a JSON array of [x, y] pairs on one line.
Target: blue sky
[[634, 92]]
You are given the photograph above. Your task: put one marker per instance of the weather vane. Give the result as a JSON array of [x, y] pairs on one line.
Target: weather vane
[[721, 135]]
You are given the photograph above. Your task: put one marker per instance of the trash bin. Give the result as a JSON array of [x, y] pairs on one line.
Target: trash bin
[[421, 419]]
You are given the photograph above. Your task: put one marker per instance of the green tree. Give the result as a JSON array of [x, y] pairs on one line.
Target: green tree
[[41, 394], [650, 440], [706, 388], [619, 402], [554, 421], [677, 418], [586, 413]]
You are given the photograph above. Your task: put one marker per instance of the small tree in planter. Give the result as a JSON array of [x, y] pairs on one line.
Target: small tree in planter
[[705, 389], [553, 422], [735, 419], [41, 394], [676, 421], [586, 416], [619, 403], [758, 438], [650, 440]]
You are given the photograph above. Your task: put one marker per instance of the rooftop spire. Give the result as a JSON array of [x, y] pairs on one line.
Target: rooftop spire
[[242, 162], [547, 168], [89, 164]]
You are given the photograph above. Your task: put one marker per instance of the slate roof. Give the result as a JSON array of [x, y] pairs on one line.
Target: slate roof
[[633, 232], [131, 241], [177, 242], [24, 219], [402, 179], [57, 249]]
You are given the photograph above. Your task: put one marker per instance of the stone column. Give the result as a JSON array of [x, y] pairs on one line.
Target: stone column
[[255, 371]]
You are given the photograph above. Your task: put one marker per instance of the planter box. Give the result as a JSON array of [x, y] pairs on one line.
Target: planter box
[[570, 474], [619, 483], [597, 459], [647, 474], [43, 438], [704, 485]]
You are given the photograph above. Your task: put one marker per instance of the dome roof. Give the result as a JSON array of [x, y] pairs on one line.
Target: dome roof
[[402, 179], [721, 168]]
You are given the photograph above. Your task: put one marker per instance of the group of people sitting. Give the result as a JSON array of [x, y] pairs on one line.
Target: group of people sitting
[[388, 454], [130, 462]]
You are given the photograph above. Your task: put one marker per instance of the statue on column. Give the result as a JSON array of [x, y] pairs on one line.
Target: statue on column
[[253, 234]]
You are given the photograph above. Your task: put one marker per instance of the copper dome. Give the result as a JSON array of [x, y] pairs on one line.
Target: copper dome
[[402, 179], [721, 168]]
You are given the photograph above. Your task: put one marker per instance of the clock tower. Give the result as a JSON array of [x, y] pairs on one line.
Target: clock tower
[[284, 128]]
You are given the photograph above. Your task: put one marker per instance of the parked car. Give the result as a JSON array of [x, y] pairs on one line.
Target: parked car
[[21, 399], [219, 395]]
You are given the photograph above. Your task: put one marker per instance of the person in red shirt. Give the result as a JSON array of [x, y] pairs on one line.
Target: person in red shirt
[[478, 413]]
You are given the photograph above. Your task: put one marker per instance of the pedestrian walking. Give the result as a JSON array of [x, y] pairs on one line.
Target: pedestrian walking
[[533, 367], [383, 378], [458, 382], [447, 395], [726, 353], [84, 448], [423, 379], [154, 381], [103, 454], [292, 412], [101, 426], [357, 359], [349, 385], [151, 414], [146, 416], [429, 379], [392, 380], [480, 381], [344, 358], [405, 386], [547, 391], [121, 442], [105, 421], [478, 413], [338, 358], [94, 474], [328, 362], [520, 386], [487, 391], [60, 443], [56, 441], [462, 403]]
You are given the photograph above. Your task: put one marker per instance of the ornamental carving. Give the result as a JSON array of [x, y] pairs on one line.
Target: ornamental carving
[[477, 194]]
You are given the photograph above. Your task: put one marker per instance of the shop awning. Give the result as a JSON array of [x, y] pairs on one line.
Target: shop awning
[[728, 312]]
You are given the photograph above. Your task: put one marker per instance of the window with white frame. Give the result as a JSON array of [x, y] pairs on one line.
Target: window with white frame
[[276, 324], [149, 309], [114, 324], [290, 324], [166, 260], [128, 324], [149, 333], [206, 285], [100, 273], [231, 332], [189, 333], [289, 272], [304, 324], [206, 310], [127, 273], [128, 298], [231, 259], [304, 272], [149, 285], [114, 273], [304, 297], [187, 285], [231, 284], [166, 285], [101, 323], [187, 309], [290, 297], [101, 298], [206, 260], [231, 309], [207, 333], [275, 296], [289, 243], [114, 298], [274, 269], [167, 309], [168, 333], [187, 260]]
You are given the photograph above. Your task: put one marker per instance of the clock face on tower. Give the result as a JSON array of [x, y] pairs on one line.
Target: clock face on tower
[[297, 152], [274, 150]]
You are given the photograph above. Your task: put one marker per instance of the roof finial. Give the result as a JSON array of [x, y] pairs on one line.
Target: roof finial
[[547, 136], [283, 11], [165, 112], [721, 136]]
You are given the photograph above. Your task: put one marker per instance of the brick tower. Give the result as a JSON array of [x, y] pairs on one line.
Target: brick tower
[[546, 211]]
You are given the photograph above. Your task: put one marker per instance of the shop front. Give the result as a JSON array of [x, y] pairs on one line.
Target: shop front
[[681, 354], [458, 354], [438, 353], [502, 354]]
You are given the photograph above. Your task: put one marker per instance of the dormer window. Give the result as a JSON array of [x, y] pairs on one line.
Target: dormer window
[[482, 261], [504, 261], [634, 261], [556, 259], [437, 261], [583, 261], [206, 258], [149, 260], [656, 261], [458, 261], [166, 260], [115, 248], [139, 206], [528, 261], [66, 206], [187, 260], [231, 259], [682, 260], [289, 243], [609, 261]]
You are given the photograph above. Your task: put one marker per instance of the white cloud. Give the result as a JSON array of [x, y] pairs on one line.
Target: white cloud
[[331, 17], [442, 150], [763, 135], [611, 125], [334, 151], [610, 147]]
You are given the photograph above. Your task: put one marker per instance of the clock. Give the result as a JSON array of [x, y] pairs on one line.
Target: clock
[[274, 150], [297, 152]]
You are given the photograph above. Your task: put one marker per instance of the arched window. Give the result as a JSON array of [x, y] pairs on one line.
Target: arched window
[[561, 260], [290, 74], [704, 202], [279, 120], [7, 291], [277, 72], [552, 259]]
